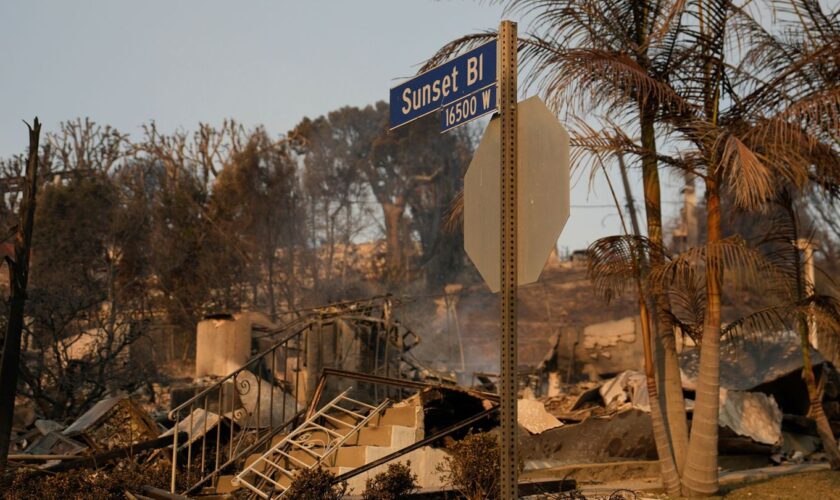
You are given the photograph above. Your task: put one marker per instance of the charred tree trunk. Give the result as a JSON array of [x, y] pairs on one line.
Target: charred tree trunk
[[394, 253], [18, 279], [628, 194], [272, 299]]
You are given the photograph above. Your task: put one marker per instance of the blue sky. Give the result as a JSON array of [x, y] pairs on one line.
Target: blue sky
[[179, 62]]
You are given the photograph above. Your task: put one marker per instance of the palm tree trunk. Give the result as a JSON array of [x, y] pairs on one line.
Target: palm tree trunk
[[628, 195], [661, 435], [701, 475], [814, 397], [667, 365], [671, 381], [667, 466]]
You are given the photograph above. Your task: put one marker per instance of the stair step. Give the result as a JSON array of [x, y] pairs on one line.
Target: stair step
[[307, 447], [253, 458], [283, 479], [385, 435], [276, 439], [357, 456], [275, 475], [319, 437], [406, 416], [304, 456], [400, 415], [224, 485]]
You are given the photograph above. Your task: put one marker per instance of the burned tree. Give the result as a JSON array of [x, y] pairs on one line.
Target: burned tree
[[255, 200], [18, 280]]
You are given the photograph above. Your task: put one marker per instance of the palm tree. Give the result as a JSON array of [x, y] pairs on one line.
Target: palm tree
[[750, 138], [794, 302], [620, 48], [665, 69]]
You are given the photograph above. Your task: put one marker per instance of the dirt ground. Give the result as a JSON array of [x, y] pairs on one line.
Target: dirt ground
[[816, 485]]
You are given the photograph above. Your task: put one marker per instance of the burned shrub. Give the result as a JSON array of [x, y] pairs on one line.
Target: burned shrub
[[472, 466], [83, 484], [392, 484], [316, 484]]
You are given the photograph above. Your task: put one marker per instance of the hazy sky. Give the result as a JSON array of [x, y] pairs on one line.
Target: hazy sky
[[179, 62]]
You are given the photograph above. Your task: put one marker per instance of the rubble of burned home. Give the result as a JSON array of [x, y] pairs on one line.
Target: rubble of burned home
[[355, 386]]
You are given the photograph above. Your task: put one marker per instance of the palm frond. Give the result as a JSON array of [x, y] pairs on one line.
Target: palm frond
[[757, 324], [456, 47], [688, 308], [745, 173], [573, 76], [615, 263], [742, 264], [455, 214]]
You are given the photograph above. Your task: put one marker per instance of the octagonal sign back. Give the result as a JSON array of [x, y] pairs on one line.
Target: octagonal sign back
[[543, 194]]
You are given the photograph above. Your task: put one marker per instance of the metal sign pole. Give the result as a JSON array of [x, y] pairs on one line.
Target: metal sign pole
[[507, 380]]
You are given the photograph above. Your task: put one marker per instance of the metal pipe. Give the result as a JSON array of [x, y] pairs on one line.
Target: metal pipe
[[189, 448], [204, 439], [175, 454]]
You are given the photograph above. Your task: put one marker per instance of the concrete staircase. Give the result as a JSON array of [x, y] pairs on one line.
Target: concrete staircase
[[403, 425], [384, 433]]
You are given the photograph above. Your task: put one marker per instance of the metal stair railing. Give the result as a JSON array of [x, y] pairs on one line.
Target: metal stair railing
[[257, 475], [210, 449]]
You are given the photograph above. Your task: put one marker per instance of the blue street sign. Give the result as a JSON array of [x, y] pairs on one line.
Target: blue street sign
[[468, 108], [443, 85]]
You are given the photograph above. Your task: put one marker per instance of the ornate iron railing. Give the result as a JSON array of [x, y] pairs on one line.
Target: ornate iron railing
[[241, 413]]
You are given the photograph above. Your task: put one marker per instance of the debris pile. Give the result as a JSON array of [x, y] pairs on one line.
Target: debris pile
[[221, 433], [763, 407]]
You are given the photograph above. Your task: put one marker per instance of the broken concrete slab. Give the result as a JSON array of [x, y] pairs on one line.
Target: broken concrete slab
[[54, 443], [612, 471], [751, 414], [532, 416]]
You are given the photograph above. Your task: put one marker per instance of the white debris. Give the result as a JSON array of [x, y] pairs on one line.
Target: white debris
[[752, 414], [531, 415], [196, 425], [628, 386]]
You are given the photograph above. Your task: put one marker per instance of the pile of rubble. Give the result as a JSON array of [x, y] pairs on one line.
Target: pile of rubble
[[763, 411], [111, 448], [243, 413]]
